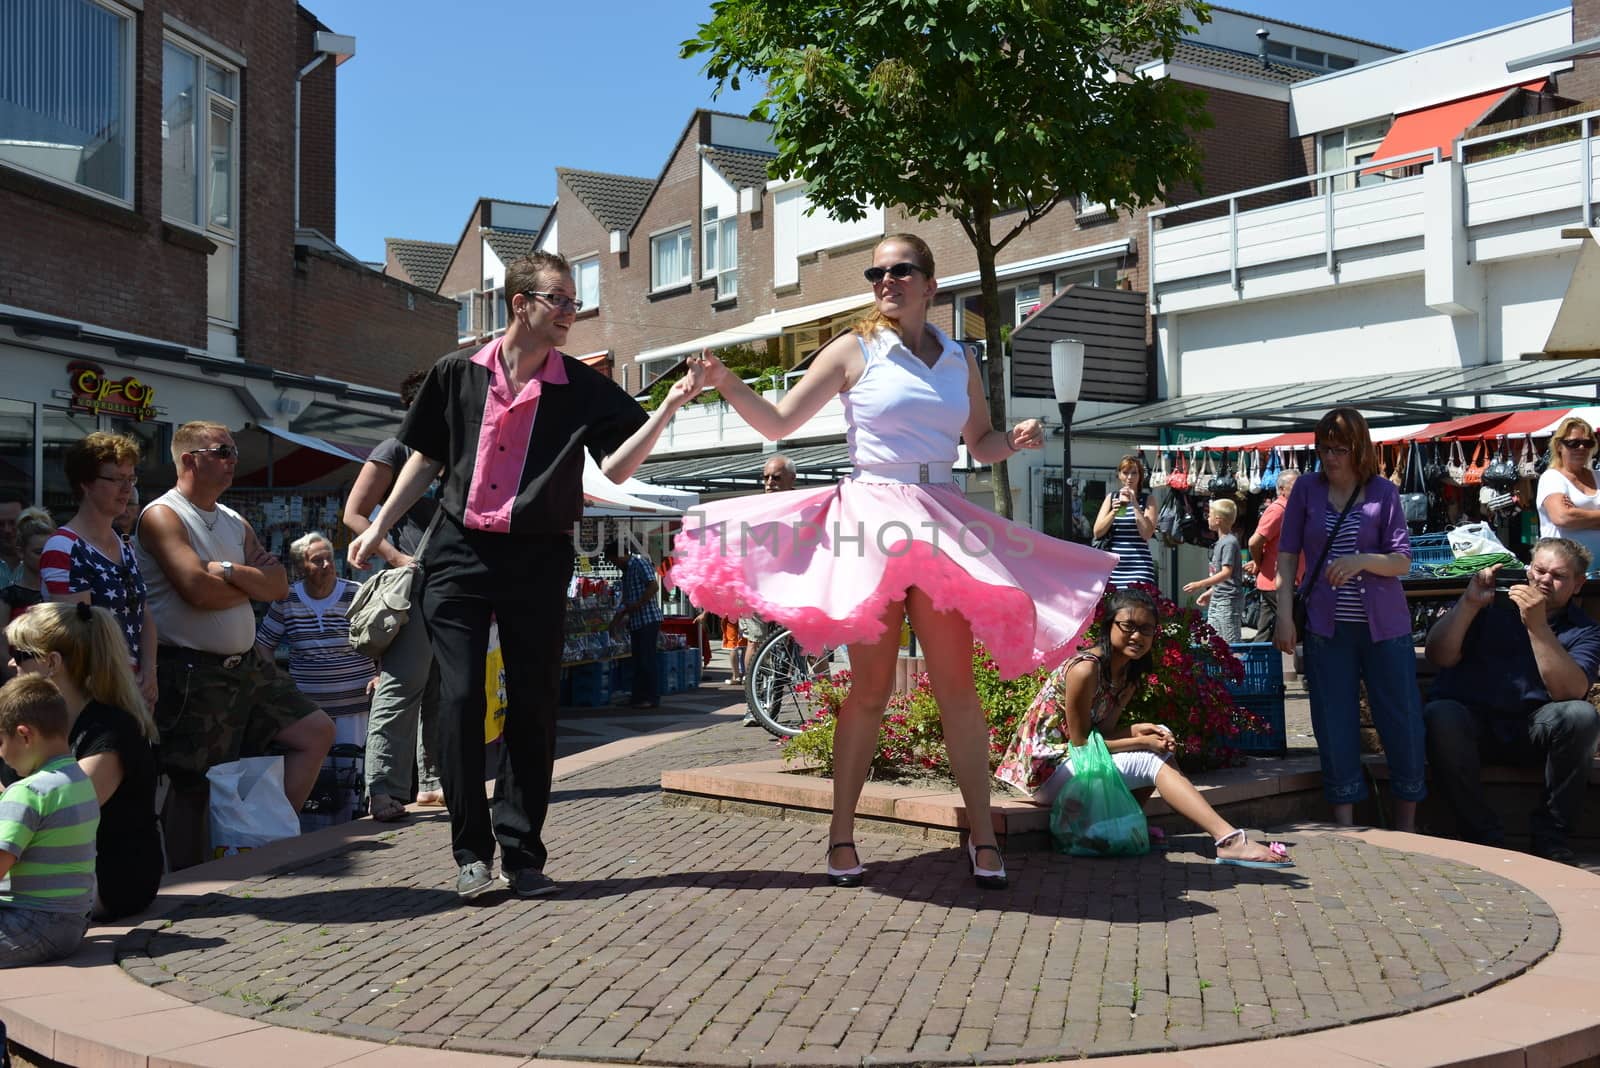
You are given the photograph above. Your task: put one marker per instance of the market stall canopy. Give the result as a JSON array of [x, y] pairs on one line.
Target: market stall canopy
[[1440, 394], [274, 456], [604, 497]]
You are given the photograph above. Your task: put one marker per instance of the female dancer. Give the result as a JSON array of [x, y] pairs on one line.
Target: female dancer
[[1089, 693], [896, 539]]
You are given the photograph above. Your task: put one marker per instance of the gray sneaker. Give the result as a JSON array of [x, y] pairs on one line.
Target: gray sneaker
[[749, 720], [531, 883], [473, 879]]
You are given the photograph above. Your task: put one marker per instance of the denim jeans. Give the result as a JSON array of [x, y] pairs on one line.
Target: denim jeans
[[1560, 735], [1335, 669], [407, 695], [1224, 618], [29, 936]]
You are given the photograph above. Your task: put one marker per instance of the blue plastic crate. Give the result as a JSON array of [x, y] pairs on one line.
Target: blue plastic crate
[[591, 685], [1431, 550], [1263, 669], [691, 679], [1274, 739], [667, 671]]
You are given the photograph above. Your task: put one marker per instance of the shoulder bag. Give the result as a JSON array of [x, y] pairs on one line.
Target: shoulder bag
[[1158, 479], [1473, 475], [383, 603], [1414, 498], [1179, 479], [1302, 593], [1528, 465], [1225, 484], [1501, 473], [1455, 467], [1434, 475], [1268, 482], [1201, 478]]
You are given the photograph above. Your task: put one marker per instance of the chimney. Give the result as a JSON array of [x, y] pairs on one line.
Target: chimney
[[1261, 48]]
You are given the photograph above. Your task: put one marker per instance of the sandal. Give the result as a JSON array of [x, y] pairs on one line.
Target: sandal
[[848, 877], [987, 878], [1277, 849], [386, 809]]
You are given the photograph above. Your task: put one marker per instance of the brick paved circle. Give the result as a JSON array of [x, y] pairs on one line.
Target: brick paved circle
[[686, 937]]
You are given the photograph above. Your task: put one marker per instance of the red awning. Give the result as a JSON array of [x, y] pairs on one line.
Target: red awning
[[1418, 133]]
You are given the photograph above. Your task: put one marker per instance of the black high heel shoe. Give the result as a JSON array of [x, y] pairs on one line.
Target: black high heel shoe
[[845, 876], [987, 879]]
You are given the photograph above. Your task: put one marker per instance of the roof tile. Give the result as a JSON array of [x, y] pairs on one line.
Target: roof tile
[[424, 261], [743, 169], [614, 199]]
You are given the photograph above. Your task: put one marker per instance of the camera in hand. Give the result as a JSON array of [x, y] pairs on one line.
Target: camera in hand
[[1502, 588]]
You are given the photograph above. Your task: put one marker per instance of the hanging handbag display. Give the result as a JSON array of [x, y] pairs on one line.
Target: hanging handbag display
[[1179, 479], [1501, 473], [1204, 473], [1397, 474], [1434, 475], [1528, 465], [1249, 472], [1158, 479], [1455, 468], [1414, 499], [1302, 593], [1268, 482], [1473, 474], [1224, 484]]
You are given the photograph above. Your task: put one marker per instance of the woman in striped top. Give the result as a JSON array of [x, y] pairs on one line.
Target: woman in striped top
[[311, 621], [1349, 518], [1129, 517]]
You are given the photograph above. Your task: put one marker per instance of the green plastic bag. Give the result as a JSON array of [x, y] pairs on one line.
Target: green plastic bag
[[1095, 814]]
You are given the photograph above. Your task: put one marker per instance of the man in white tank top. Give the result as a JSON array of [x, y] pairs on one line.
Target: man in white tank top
[[218, 701]]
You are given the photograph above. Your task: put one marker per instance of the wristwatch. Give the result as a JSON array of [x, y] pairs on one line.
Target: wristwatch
[[227, 572]]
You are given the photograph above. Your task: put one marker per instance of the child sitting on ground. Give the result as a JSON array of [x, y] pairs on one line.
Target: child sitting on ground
[[1089, 693], [1221, 596], [50, 812]]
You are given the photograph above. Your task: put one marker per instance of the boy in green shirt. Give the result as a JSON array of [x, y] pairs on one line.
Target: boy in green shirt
[[48, 821]]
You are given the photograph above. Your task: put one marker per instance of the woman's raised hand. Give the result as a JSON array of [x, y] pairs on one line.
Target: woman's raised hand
[[1028, 434], [712, 370]]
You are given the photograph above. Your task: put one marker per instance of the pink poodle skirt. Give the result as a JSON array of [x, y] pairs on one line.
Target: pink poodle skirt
[[826, 564]]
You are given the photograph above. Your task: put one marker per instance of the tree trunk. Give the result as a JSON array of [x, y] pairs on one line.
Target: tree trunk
[[996, 357]]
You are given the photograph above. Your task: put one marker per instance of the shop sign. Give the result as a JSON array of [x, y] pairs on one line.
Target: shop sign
[[93, 392]]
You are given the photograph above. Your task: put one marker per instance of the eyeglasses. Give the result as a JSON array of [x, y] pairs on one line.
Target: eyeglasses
[[1132, 629], [1578, 443], [772, 478], [1338, 452], [221, 452], [559, 301], [900, 272], [131, 481]]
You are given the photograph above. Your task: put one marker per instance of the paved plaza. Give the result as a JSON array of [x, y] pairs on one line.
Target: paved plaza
[[685, 937]]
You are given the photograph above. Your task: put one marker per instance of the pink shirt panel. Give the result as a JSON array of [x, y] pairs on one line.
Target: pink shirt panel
[[504, 437]]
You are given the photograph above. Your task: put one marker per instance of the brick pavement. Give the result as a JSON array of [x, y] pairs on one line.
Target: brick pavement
[[685, 937]]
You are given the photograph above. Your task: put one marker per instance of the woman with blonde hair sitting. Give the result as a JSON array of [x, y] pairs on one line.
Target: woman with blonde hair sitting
[[82, 650]]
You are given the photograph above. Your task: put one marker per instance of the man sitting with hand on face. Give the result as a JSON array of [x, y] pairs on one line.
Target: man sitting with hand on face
[[1515, 671]]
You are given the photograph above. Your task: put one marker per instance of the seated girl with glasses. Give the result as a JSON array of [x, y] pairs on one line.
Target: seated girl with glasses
[[1090, 693], [1567, 497]]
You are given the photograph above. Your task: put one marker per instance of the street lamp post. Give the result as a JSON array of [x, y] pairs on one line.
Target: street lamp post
[[1066, 374]]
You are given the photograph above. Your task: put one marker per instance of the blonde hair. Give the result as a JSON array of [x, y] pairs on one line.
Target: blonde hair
[[1561, 431], [93, 651], [32, 523], [1226, 510], [192, 435], [922, 256]]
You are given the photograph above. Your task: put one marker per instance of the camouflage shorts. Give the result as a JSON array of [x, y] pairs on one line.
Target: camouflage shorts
[[209, 714]]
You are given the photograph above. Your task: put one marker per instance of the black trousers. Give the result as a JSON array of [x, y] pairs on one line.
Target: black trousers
[[521, 580]]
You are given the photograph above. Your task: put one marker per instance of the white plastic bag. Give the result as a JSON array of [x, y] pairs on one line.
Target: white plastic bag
[[248, 805], [1475, 539]]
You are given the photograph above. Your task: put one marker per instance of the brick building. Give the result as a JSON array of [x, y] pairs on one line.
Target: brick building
[[167, 190]]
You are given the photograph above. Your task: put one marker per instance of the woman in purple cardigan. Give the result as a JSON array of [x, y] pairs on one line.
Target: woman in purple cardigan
[[1360, 628]]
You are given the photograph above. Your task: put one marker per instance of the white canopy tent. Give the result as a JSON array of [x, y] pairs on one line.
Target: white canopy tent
[[603, 497]]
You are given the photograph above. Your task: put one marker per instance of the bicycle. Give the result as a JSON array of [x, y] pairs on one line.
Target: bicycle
[[777, 667]]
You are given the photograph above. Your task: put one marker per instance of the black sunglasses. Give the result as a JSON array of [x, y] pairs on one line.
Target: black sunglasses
[[900, 271], [221, 452], [22, 656], [1578, 443]]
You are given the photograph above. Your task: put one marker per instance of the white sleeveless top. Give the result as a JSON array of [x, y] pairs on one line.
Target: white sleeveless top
[[901, 410], [215, 535]]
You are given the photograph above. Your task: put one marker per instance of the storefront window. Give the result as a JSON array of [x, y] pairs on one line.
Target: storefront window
[[62, 428], [156, 472], [16, 448]]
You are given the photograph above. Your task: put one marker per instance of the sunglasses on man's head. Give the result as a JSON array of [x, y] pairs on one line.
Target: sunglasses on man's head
[[900, 272], [221, 452]]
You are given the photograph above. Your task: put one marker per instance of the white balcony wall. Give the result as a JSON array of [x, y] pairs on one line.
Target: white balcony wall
[[1447, 71], [1522, 299]]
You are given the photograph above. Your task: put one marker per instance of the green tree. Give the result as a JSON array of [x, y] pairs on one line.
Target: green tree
[[989, 111]]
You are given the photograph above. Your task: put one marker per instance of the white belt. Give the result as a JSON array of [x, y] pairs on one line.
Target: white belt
[[921, 473]]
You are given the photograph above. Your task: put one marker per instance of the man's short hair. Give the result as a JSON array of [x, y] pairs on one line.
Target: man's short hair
[[192, 435], [783, 462], [1226, 509], [33, 701], [83, 457], [534, 271], [1575, 552]]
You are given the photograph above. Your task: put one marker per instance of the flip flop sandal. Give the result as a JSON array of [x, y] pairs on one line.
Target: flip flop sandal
[[386, 809], [1278, 849]]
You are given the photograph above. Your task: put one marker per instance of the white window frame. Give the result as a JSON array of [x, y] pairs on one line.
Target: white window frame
[[579, 267], [684, 235], [209, 101], [1364, 150], [1101, 277], [466, 302], [719, 237], [130, 56]]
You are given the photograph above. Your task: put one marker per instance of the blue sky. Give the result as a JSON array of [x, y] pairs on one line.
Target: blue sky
[[443, 104]]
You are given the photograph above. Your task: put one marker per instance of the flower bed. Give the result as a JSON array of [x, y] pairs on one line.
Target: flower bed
[[1187, 691]]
